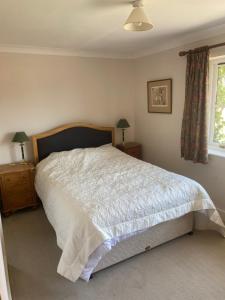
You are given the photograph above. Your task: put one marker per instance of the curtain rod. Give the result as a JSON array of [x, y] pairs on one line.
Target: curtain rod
[[183, 53]]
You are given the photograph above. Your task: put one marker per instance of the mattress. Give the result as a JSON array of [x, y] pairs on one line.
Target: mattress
[[97, 196]]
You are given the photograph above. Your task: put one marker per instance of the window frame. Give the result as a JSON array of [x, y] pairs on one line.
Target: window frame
[[214, 147]]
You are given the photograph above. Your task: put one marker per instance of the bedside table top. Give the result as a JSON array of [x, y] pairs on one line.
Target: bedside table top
[[16, 167], [129, 145]]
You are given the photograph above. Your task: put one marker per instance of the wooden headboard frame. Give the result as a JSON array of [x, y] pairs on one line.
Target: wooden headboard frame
[[72, 126]]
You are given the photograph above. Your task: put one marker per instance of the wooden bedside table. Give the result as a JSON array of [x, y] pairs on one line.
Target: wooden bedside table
[[131, 148], [17, 187]]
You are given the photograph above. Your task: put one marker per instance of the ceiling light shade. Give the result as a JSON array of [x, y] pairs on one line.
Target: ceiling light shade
[[137, 20]]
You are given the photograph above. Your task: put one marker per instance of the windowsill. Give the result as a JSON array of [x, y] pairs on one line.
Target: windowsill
[[216, 151]]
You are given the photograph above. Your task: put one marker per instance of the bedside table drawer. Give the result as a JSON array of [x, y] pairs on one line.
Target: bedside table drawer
[[12, 180], [135, 152], [18, 199], [17, 187], [20, 189], [132, 149]]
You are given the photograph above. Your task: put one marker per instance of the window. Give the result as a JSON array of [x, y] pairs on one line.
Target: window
[[217, 111]]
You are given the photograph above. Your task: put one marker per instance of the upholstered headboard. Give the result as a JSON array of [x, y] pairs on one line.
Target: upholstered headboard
[[70, 136]]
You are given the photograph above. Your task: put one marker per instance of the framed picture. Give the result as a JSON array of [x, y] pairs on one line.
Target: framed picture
[[160, 96]]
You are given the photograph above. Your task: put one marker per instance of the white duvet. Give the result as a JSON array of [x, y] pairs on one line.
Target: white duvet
[[94, 196]]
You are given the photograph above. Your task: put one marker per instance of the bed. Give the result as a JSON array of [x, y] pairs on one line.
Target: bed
[[106, 206]]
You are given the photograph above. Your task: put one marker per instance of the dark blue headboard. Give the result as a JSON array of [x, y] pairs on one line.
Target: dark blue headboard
[[71, 136]]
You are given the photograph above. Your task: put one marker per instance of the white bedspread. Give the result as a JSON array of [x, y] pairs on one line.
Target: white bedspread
[[96, 195]]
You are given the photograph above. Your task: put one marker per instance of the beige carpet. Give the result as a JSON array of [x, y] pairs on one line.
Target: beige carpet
[[191, 267]]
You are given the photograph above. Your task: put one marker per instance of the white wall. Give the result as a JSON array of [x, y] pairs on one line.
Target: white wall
[[160, 133], [40, 92], [5, 293]]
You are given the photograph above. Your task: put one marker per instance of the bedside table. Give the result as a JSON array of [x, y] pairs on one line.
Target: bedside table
[[17, 187], [131, 148]]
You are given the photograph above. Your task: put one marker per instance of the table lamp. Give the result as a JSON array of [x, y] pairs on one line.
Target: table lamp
[[123, 124], [21, 138]]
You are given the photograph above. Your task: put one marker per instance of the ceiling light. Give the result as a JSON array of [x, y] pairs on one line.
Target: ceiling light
[[137, 20]]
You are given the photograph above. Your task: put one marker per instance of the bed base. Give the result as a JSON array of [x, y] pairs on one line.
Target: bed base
[[145, 241]]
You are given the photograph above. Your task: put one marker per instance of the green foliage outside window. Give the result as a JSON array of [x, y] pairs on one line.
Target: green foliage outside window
[[219, 125]]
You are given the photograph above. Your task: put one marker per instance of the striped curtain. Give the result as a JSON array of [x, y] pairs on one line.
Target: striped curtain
[[194, 134]]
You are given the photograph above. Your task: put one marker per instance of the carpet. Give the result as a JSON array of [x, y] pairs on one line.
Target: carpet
[[188, 268]]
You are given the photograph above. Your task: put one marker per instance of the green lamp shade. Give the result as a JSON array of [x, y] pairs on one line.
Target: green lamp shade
[[20, 137], [123, 124]]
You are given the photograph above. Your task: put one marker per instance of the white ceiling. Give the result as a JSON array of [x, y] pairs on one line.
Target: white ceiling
[[95, 27]]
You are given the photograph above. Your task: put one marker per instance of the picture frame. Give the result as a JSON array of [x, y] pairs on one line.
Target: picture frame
[[160, 96]]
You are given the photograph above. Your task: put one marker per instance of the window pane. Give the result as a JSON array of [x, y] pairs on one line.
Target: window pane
[[219, 126]]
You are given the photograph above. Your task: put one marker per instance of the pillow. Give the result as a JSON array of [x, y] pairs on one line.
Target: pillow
[[106, 145]]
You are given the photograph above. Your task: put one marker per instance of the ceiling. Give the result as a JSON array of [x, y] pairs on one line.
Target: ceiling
[[95, 27]]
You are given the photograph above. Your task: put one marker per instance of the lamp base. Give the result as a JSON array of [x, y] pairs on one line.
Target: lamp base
[[123, 136]]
